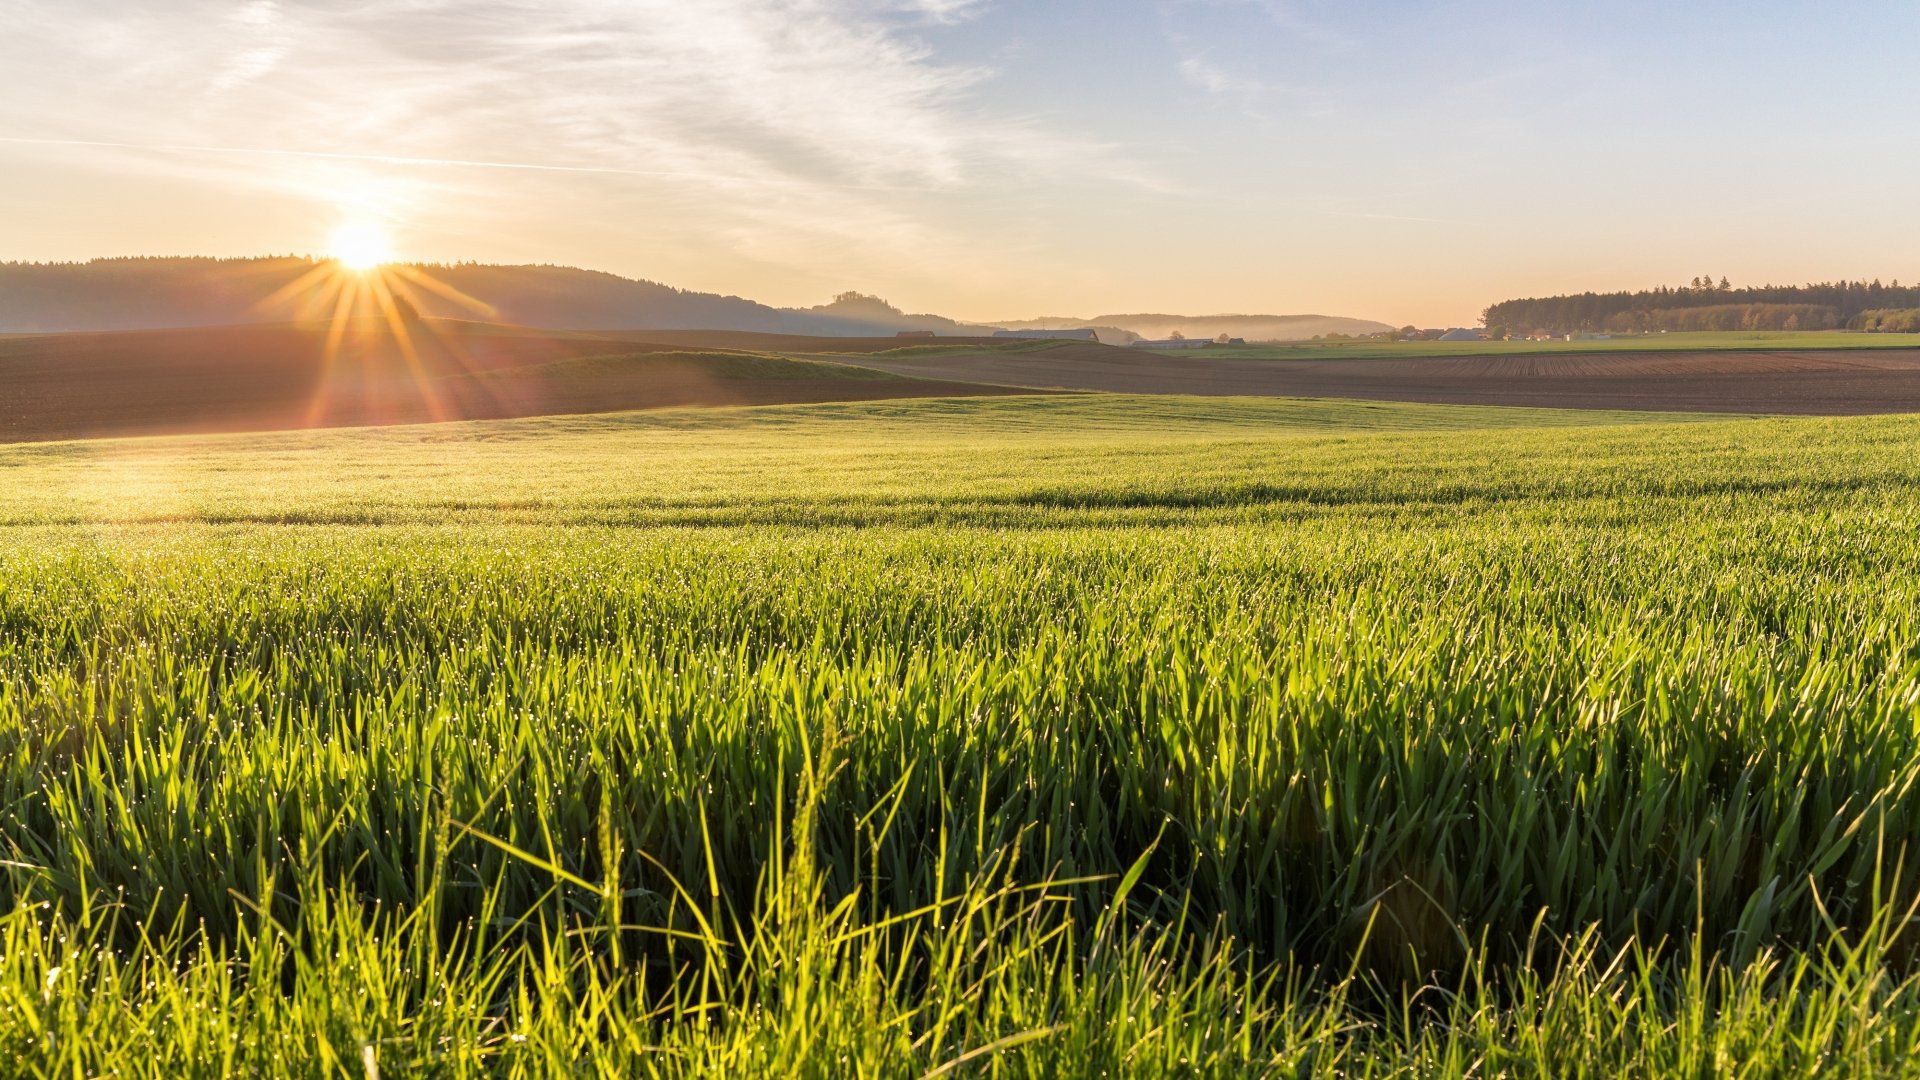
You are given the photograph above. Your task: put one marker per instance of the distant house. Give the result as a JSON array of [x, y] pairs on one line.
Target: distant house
[[915, 333], [1049, 335], [1174, 343]]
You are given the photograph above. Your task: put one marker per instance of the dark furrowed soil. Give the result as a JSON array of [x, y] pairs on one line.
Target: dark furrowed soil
[[1849, 382], [755, 341], [253, 378], [261, 378]]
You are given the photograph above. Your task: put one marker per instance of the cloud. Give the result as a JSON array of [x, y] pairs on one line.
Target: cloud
[[944, 11], [1294, 18], [1228, 49], [1290, 17], [1254, 96], [1200, 70], [258, 45], [767, 116]]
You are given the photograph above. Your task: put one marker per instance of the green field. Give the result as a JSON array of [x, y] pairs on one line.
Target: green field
[[1017, 737], [1736, 340]]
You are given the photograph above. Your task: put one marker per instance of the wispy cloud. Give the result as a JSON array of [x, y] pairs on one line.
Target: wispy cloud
[[944, 11], [1298, 19], [1202, 71], [406, 160], [1212, 42], [259, 45], [781, 115]]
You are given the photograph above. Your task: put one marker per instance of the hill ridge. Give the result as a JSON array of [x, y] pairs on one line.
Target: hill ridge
[[1252, 327], [175, 292]]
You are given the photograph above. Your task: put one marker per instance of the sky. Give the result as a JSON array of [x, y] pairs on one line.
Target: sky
[[988, 160]]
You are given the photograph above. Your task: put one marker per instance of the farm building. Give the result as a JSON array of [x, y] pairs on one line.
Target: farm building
[[1049, 335], [1463, 335]]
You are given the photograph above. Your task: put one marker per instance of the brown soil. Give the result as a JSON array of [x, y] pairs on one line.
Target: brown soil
[[751, 341], [1838, 382], [259, 378], [252, 378]]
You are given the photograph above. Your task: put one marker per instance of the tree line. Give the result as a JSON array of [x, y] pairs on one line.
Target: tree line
[[1707, 304]]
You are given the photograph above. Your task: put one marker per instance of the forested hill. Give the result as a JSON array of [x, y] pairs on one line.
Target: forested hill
[[1705, 305], [159, 293]]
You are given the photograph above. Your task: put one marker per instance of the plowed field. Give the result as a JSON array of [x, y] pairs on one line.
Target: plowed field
[[262, 378], [1809, 382]]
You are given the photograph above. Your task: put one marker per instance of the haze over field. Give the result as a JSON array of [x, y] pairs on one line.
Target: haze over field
[[1250, 327]]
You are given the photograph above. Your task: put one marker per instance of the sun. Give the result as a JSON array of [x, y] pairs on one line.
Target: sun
[[359, 295], [360, 245]]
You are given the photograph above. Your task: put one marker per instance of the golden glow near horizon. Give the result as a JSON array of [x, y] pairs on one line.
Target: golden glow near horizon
[[359, 292], [360, 245]]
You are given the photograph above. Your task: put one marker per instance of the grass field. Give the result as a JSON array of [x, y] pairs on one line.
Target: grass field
[[1744, 340], [1001, 737]]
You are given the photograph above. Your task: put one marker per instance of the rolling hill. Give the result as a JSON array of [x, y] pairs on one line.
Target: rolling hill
[[1251, 327], [260, 378], [153, 294], [167, 293]]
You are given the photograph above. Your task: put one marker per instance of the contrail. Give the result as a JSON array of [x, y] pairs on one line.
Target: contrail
[[445, 163]]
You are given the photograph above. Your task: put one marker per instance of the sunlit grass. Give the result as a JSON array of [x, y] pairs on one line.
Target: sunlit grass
[[1053, 460], [1029, 737]]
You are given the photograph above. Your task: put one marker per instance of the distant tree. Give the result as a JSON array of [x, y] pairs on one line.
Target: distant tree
[[1725, 285], [1176, 336], [1497, 333], [1704, 305], [1223, 339], [1897, 321]]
